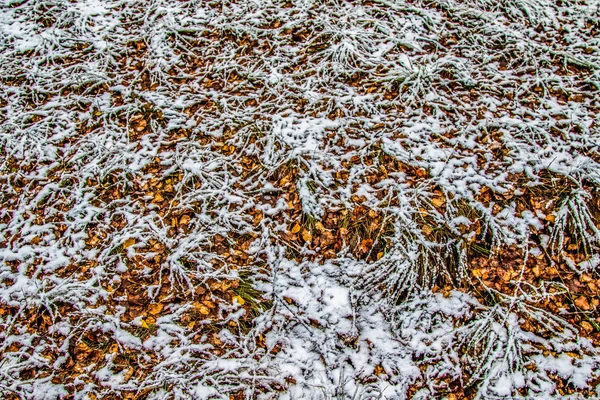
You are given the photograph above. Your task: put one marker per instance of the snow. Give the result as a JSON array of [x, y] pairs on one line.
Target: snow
[[445, 89]]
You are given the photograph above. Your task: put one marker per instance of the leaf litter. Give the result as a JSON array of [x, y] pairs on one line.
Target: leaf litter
[[271, 199]]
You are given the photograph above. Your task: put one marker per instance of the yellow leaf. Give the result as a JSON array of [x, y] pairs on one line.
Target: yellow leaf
[[427, 230], [202, 309], [155, 308], [295, 228], [158, 198], [239, 300], [306, 235], [144, 324], [128, 243], [319, 226], [550, 218], [438, 202]]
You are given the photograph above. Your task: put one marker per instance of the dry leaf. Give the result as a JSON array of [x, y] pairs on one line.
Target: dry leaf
[[201, 308], [128, 243], [427, 230], [295, 228], [583, 303], [319, 226], [141, 125], [306, 235], [185, 219], [239, 300], [365, 245], [155, 309], [587, 327], [158, 198], [438, 202], [127, 375]]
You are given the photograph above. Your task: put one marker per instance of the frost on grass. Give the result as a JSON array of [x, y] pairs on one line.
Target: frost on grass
[[274, 199]]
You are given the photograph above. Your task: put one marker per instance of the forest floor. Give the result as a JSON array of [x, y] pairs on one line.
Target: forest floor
[[299, 199]]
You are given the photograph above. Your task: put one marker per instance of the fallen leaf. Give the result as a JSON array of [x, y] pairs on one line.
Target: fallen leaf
[[239, 300], [587, 327], [365, 245], [201, 308], [306, 235], [158, 198], [295, 228], [127, 375], [583, 303], [141, 125], [319, 226], [427, 230], [128, 243], [438, 202], [155, 309], [185, 219], [421, 173]]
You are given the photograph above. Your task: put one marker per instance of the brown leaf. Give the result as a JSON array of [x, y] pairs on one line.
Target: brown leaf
[[583, 303], [141, 125], [587, 327], [128, 243], [365, 245], [185, 219]]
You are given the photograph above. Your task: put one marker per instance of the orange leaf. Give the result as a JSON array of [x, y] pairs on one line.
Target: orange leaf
[[306, 235], [295, 228]]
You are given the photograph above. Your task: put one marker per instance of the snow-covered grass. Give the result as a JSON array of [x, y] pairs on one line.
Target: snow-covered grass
[[156, 157]]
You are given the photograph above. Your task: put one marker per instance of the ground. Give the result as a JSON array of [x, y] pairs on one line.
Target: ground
[[299, 199]]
